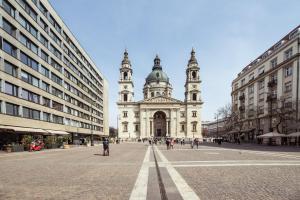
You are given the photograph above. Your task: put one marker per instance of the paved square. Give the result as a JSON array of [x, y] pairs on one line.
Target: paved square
[[130, 172]]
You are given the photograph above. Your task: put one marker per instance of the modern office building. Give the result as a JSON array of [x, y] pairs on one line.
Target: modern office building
[[48, 82], [265, 94]]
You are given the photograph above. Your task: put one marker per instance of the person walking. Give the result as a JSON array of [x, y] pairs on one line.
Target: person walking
[[192, 144], [172, 143], [168, 143], [197, 142], [105, 147]]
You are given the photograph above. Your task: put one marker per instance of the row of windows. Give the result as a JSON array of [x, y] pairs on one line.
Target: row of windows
[[10, 49], [12, 89], [273, 63], [14, 110], [42, 39], [67, 39]]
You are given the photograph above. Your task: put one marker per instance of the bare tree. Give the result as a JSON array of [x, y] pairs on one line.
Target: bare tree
[[285, 115]]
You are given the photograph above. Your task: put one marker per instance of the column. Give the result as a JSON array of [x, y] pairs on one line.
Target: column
[[151, 128]]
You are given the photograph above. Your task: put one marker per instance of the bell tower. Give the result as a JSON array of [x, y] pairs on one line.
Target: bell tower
[[192, 84], [126, 86], [192, 98]]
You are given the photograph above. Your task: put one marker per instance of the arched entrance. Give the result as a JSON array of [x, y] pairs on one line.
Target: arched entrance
[[160, 124]]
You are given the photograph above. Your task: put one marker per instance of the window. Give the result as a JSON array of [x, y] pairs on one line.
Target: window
[[28, 43], [54, 23], [261, 97], [273, 62], [136, 127], [57, 66], [10, 69], [288, 87], [46, 102], [242, 82], [251, 76], [194, 75], [44, 56], [288, 53], [29, 79], [44, 71], [45, 86], [55, 51], [9, 48], [30, 96], [125, 97], [9, 28], [56, 79], [54, 37], [8, 8], [261, 84], [12, 109], [28, 9], [261, 70], [182, 127], [57, 92], [27, 26], [57, 106], [125, 76], [46, 117], [136, 114], [43, 40], [194, 113], [152, 94], [31, 113], [58, 119], [194, 127], [43, 9], [194, 96], [29, 61], [43, 25], [251, 89], [11, 89], [125, 127], [288, 71], [182, 114], [261, 110], [125, 114]]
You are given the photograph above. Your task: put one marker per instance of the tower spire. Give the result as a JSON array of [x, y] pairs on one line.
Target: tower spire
[[156, 63], [126, 59], [193, 59]]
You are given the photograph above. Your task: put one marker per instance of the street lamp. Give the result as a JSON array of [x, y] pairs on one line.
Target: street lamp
[[92, 130], [217, 117]]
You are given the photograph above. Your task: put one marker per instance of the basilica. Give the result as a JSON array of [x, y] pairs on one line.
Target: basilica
[[159, 114]]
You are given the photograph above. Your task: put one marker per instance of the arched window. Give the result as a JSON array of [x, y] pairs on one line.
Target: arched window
[[194, 97], [152, 94], [125, 97], [125, 75], [194, 74]]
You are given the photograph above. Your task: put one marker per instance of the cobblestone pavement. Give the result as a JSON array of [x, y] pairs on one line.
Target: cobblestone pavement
[[138, 171], [238, 172], [77, 173]]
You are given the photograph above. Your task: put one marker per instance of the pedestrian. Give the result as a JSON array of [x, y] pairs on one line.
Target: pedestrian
[[172, 143], [192, 144], [183, 142], [105, 147], [168, 144], [197, 142]]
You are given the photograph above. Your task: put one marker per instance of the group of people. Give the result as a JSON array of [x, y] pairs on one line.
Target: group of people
[[170, 143]]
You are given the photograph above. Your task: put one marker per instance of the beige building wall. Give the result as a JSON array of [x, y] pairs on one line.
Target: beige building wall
[[34, 28], [259, 75]]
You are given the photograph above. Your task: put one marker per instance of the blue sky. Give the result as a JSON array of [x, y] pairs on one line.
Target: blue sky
[[226, 35]]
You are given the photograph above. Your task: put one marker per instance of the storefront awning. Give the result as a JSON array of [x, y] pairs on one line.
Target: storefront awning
[[58, 132], [22, 129]]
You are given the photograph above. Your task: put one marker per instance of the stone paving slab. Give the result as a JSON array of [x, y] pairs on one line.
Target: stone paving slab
[[244, 183], [72, 174]]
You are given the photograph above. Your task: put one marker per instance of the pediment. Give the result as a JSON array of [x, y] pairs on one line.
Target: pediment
[[161, 99]]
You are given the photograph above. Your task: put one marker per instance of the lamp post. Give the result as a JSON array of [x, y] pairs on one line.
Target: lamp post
[[92, 130], [217, 118]]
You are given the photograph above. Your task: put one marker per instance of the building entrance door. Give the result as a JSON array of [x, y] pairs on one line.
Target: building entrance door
[[160, 124]]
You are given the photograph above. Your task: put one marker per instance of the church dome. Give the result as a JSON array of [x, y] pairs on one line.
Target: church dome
[[157, 75]]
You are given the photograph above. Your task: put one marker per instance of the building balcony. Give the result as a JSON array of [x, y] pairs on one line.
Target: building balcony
[[242, 97], [272, 83], [242, 108], [271, 97]]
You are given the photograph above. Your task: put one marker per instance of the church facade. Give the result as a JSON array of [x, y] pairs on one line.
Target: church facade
[[159, 114]]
